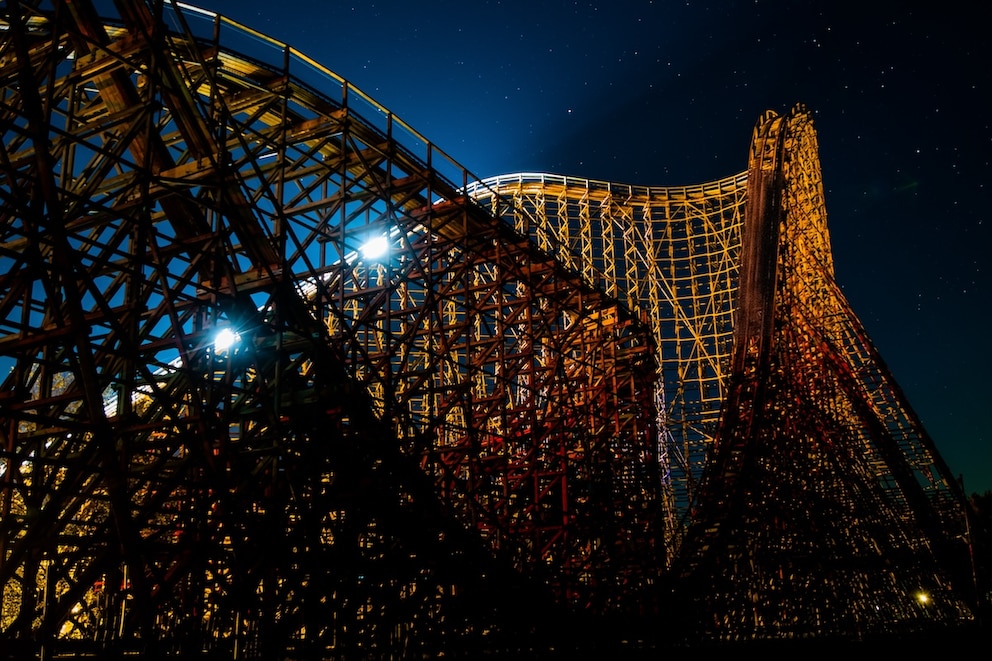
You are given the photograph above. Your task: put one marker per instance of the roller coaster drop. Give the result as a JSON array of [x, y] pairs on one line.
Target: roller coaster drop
[[546, 399]]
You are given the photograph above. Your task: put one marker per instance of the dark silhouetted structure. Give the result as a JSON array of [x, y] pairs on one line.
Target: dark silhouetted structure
[[230, 427]]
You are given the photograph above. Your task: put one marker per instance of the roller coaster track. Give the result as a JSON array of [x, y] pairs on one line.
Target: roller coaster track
[[546, 397], [790, 452]]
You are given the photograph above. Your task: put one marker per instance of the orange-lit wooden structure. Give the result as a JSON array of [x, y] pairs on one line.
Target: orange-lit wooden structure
[[542, 398]]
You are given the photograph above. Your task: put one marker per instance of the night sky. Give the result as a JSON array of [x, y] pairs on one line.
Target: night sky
[[666, 93]]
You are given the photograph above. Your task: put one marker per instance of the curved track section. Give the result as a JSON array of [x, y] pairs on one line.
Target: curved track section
[[826, 509], [444, 413], [430, 447], [784, 434], [672, 254]]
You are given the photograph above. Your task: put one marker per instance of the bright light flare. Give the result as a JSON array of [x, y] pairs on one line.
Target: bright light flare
[[375, 247], [225, 339]]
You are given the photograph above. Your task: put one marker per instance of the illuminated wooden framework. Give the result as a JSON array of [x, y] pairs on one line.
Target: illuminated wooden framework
[[783, 430], [672, 253], [825, 510], [386, 437], [543, 395]]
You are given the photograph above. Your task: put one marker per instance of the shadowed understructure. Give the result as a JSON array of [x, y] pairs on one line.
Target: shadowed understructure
[[548, 412]]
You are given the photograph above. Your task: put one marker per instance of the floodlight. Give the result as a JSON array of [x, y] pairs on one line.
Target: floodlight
[[225, 339], [375, 247]]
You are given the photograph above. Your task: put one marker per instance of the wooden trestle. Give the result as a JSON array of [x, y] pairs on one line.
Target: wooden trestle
[[547, 398]]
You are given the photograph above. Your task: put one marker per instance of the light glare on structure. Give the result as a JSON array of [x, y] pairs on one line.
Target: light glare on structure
[[225, 339], [375, 247]]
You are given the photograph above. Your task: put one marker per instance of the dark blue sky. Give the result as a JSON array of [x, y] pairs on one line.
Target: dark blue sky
[[667, 93]]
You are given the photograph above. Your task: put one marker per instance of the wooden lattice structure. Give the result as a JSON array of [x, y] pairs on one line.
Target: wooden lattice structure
[[536, 401], [384, 433], [672, 253], [815, 501]]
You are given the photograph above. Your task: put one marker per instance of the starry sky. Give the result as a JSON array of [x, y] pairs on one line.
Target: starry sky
[[667, 92]]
